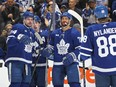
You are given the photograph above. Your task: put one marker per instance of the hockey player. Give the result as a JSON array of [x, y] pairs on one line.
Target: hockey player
[[99, 43], [64, 44], [19, 52], [39, 74]]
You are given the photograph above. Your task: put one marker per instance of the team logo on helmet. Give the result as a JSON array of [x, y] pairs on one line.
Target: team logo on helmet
[[101, 12]]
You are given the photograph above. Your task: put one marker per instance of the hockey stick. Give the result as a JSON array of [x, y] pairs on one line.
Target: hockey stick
[[34, 68], [79, 18], [39, 38]]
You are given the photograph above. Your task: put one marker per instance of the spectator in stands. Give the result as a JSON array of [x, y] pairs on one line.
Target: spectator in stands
[[2, 24], [3, 47], [81, 4], [63, 8], [88, 13], [11, 12], [72, 5], [40, 9], [49, 17], [4, 33], [8, 28], [30, 9], [25, 3]]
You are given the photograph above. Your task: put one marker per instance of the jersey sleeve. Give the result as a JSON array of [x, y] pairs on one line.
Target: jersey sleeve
[[76, 37], [86, 46], [12, 38]]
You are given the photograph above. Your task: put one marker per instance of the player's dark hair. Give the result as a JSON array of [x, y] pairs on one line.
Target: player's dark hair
[[106, 19]]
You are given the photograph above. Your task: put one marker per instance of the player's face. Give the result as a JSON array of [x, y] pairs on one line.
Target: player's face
[[36, 26], [28, 21], [65, 21]]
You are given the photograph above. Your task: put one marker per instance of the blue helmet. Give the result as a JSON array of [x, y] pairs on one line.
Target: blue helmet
[[101, 12], [66, 14], [28, 14], [37, 19]]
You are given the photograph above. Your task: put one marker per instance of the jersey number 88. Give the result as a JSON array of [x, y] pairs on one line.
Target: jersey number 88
[[107, 47]]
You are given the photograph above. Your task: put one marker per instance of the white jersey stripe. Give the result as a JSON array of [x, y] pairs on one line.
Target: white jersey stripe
[[104, 70], [84, 54], [86, 49], [18, 59]]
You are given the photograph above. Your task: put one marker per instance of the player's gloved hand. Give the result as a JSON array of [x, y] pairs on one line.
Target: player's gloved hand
[[69, 59], [24, 39], [51, 57], [48, 53]]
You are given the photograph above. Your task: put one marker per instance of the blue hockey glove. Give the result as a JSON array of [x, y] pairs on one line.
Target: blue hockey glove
[[48, 52], [51, 57], [69, 59], [24, 39]]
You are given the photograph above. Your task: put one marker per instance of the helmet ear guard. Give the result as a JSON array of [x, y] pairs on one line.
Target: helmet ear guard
[[101, 12]]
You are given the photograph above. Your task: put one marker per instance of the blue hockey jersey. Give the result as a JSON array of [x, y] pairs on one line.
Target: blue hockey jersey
[[42, 60], [64, 43], [17, 51], [99, 43]]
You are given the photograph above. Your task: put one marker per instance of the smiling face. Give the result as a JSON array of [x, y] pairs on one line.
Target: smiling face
[[65, 21]]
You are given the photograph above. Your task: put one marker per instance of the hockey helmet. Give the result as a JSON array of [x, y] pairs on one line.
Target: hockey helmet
[[101, 12], [37, 19], [66, 14], [28, 14]]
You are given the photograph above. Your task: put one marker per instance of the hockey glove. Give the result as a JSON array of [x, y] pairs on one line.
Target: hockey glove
[[24, 39], [51, 57], [69, 59], [48, 53]]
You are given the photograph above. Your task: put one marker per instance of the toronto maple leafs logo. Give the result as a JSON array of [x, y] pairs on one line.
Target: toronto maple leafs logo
[[62, 47], [28, 48]]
